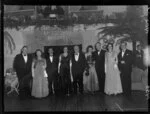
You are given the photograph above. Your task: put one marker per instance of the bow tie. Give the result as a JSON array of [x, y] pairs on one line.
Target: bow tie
[[24, 55]]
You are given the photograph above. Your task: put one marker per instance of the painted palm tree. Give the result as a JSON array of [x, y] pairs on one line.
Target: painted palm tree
[[131, 27], [9, 44]]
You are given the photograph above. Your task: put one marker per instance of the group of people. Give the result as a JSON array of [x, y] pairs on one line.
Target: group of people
[[101, 70]]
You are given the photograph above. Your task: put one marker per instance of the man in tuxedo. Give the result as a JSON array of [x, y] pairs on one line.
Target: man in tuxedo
[[139, 67], [99, 57], [77, 67], [139, 58], [51, 69], [125, 61], [22, 66]]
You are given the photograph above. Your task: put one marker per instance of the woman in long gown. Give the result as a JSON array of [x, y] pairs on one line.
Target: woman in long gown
[[90, 80], [40, 81], [64, 71], [112, 81]]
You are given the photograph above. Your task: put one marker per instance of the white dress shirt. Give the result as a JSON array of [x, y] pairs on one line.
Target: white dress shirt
[[51, 58], [25, 58], [123, 53], [76, 57], [99, 52]]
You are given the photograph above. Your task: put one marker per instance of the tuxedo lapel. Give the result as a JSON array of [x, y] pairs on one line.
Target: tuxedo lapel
[[125, 53], [79, 57], [22, 59], [120, 55]]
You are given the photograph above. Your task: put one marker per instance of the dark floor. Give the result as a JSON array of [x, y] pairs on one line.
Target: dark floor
[[86, 102]]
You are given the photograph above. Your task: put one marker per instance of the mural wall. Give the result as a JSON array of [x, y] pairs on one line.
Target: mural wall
[[48, 36]]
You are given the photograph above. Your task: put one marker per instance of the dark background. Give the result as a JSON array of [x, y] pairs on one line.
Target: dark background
[[59, 49]]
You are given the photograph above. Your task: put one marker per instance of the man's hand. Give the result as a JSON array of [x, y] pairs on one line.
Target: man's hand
[[122, 62]]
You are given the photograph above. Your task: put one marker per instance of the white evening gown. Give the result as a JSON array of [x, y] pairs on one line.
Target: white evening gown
[[112, 81]]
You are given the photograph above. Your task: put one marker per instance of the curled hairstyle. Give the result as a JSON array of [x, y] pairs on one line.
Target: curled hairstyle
[[41, 53], [108, 45], [90, 46], [65, 47]]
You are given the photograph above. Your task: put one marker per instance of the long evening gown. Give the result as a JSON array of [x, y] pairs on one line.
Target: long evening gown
[[65, 74], [90, 81], [40, 82], [112, 81]]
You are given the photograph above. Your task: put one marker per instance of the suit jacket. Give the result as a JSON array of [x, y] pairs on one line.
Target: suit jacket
[[52, 67], [22, 69], [99, 60], [79, 66], [138, 60], [128, 58]]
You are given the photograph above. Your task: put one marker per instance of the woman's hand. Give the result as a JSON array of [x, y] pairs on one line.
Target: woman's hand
[[115, 66], [58, 70], [44, 66], [71, 78]]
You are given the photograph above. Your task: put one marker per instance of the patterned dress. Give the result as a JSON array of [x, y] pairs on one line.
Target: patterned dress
[[40, 82], [90, 80]]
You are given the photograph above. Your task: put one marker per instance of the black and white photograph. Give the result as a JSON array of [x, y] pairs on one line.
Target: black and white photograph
[[76, 58]]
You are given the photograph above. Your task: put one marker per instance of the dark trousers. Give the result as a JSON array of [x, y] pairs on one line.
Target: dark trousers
[[126, 82], [52, 85], [78, 81], [51, 82], [101, 80], [65, 80], [25, 85]]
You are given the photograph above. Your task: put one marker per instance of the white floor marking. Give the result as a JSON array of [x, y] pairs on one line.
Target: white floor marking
[[119, 107]]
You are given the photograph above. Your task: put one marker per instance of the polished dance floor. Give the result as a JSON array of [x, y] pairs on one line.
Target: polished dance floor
[[87, 102]]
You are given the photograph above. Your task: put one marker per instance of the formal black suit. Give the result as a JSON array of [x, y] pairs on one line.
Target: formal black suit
[[100, 68], [77, 70], [23, 71], [52, 71], [138, 60], [126, 70]]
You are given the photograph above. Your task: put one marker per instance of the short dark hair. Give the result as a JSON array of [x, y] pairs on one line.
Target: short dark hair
[[76, 45], [50, 48], [139, 45], [90, 46], [23, 48], [65, 47], [108, 45], [124, 42], [96, 44]]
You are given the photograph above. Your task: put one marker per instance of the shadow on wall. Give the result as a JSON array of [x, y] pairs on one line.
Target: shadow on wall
[[13, 42], [9, 44]]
